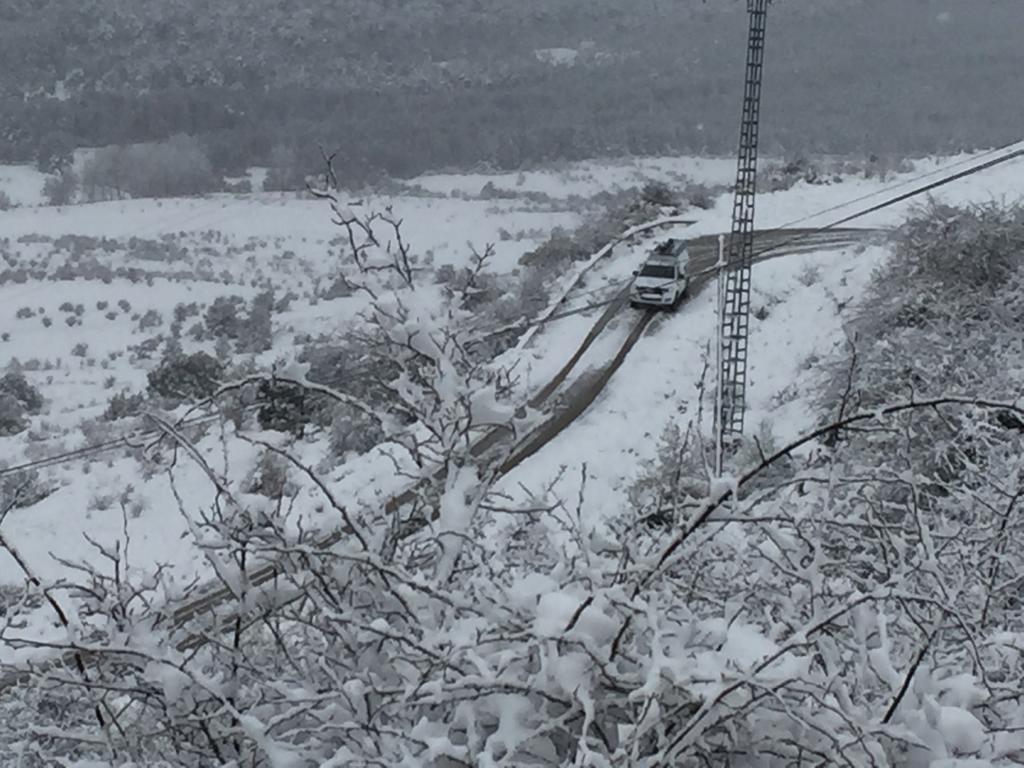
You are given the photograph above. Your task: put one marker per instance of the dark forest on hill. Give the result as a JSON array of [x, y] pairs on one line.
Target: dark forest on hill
[[413, 85]]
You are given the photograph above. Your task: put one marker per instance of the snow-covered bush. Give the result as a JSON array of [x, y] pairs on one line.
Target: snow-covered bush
[[809, 275], [284, 407], [339, 288], [13, 415], [780, 176], [473, 287], [659, 193], [944, 315], [702, 196], [618, 212], [675, 481], [15, 384], [186, 377], [804, 619], [183, 311], [150, 319], [222, 317], [559, 249], [22, 489], [256, 332], [123, 405]]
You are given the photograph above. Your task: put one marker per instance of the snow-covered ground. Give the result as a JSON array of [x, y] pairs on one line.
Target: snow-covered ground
[[442, 228], [22, 184], [801, 296]]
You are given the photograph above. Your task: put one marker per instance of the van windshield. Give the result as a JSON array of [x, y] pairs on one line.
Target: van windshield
[[658, 270]]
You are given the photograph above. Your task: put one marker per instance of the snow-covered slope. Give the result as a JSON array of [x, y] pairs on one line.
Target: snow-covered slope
[[565, 591], [800, 304]]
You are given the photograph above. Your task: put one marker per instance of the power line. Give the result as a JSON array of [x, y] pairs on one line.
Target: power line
[[96, 448], [903, 183]]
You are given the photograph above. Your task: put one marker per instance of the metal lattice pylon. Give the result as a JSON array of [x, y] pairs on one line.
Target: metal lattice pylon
[[735, 320]]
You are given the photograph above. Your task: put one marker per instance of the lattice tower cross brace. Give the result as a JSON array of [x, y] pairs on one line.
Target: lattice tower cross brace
[[735, 320]]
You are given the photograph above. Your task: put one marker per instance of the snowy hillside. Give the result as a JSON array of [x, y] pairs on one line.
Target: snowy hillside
[[800, 305], [532, 577]]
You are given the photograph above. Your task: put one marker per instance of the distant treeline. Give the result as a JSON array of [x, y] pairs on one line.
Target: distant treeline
[[912, 77]]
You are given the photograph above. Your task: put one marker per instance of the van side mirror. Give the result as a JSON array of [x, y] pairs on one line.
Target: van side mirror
[[636, 272]]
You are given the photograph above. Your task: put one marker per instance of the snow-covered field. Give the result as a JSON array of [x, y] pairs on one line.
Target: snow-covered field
[[238, 245], [587, 178]]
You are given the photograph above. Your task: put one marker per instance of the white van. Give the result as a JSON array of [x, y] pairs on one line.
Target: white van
[[662, 280]]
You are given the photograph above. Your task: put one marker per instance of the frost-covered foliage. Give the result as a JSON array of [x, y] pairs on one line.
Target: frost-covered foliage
[[13, 418], [945, 315], [677, 479], [352, 430], [807, 624]]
